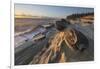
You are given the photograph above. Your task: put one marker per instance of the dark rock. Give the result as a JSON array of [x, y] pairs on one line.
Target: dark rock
[[61, 25], [82, 42]]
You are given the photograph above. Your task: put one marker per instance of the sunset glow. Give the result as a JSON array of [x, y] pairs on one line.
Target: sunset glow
[[49, 11]]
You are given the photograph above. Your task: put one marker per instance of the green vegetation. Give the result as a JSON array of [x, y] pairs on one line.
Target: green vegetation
[[77, 15]]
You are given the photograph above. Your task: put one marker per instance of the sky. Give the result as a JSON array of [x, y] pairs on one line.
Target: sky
[[49, 11]]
